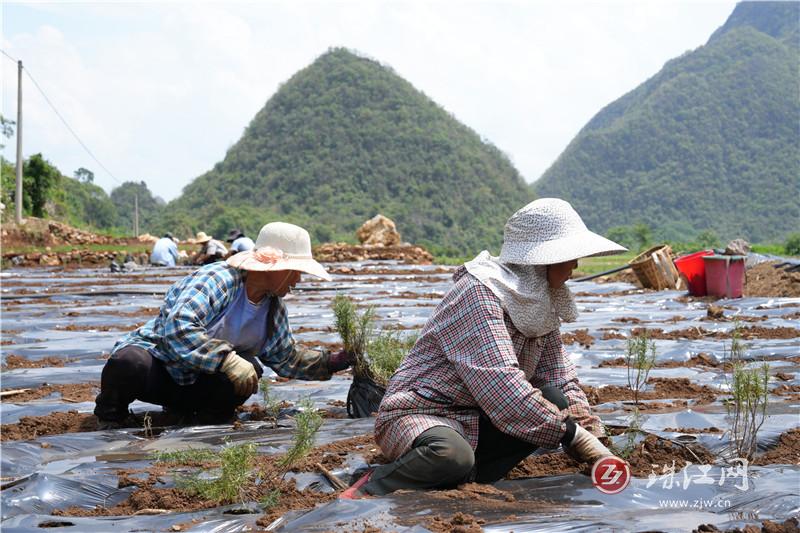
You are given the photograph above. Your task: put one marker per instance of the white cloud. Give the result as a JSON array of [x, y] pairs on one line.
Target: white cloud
[[159, 91]]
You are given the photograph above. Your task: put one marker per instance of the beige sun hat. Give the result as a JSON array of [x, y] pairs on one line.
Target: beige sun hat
[[202, 237], [548, 231], [280, 246]]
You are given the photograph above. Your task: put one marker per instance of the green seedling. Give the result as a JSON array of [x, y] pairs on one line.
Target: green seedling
[[272, 406], [355, 330], [189, 456], [376, 355], [386, 352], [236, 463], [640, 359], [748, 404], [307, 424], [272, 499], [633, 429]]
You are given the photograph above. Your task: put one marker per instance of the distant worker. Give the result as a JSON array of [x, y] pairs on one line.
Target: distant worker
[[197, 357], [165, 251], [211, 250], [239, 243]]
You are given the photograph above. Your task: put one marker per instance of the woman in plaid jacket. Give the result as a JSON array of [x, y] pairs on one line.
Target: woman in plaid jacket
[[201, 356], [488, 381]]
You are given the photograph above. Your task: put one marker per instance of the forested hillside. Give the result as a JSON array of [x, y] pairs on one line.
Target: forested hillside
[[711, 142], [47, 193], [347, 138]]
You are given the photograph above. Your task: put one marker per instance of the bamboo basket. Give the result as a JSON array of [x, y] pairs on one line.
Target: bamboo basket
[[655, 270]]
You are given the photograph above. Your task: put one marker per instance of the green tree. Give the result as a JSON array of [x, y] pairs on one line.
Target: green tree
[[6, 128], [39, 179], [85, 175], [708, 239], [792, 244], [125, 198]]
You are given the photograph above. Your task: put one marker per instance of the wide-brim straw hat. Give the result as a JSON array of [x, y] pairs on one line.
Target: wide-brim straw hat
[[280, 246], [202, 237], [548, 231]]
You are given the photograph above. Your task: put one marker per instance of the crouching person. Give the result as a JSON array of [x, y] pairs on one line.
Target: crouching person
[[488, 381], [198, 357]]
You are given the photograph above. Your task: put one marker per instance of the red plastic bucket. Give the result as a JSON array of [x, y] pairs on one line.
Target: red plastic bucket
[[724, 275], [694, 270]]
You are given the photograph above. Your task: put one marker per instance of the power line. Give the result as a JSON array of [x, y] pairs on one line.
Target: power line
[[70, 129], [8, 56], [64, 121]]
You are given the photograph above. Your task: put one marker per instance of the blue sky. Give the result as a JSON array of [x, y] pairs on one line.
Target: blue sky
[[159, 91]]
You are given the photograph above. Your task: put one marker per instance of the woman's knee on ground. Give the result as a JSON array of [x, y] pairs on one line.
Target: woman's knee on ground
[[451, 459]]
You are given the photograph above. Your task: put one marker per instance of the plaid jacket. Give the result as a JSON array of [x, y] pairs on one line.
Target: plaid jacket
[[177, 336], [470, 359]]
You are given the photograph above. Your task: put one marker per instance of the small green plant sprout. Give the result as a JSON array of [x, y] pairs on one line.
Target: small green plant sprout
[[272, 499], [748, 404], [640, 359], [236, 462], [633, 429], [188, 456], [307, 423], [272, 406], [355, 330], [386, 351]]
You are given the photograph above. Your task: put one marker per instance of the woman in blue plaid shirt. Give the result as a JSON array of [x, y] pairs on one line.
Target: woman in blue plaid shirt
[[198, 357]]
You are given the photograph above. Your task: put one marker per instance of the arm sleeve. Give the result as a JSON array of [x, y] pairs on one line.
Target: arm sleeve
[[282, 354], [186, 341], [476, 341], [555, 369], [173, 250]]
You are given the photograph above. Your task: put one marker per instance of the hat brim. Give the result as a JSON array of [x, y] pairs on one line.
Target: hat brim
[[576, 246], [247, 261]]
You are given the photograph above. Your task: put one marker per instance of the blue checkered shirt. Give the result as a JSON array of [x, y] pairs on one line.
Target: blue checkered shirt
[[178, 336]]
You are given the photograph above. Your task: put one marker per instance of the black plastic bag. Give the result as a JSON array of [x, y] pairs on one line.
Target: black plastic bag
[[364, 397]]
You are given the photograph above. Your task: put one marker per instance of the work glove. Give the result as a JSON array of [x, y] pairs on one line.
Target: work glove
[[242, 374], [585, 447], [339, 361]]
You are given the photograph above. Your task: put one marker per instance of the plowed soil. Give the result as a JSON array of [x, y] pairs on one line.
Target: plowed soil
[[664, 389], [17, 361], [581, 336], [72, 393], [766, 280]]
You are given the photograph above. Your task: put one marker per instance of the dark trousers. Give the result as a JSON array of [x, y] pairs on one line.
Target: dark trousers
[[441, 458], [133, 374]]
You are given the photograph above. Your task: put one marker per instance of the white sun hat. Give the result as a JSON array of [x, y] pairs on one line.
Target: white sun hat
[[280, 246], [548, 231]]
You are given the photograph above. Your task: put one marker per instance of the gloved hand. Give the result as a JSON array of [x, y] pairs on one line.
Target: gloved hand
[[241, 373], [586, 448], [339, 361]]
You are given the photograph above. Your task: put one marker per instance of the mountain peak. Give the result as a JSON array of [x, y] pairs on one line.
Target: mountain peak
[[780, 20]]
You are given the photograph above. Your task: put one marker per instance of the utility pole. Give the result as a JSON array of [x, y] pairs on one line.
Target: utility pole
[[18, 195], [136, 215]]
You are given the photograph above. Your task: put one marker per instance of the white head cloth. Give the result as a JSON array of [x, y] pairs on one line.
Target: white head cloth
[[534, 308]]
